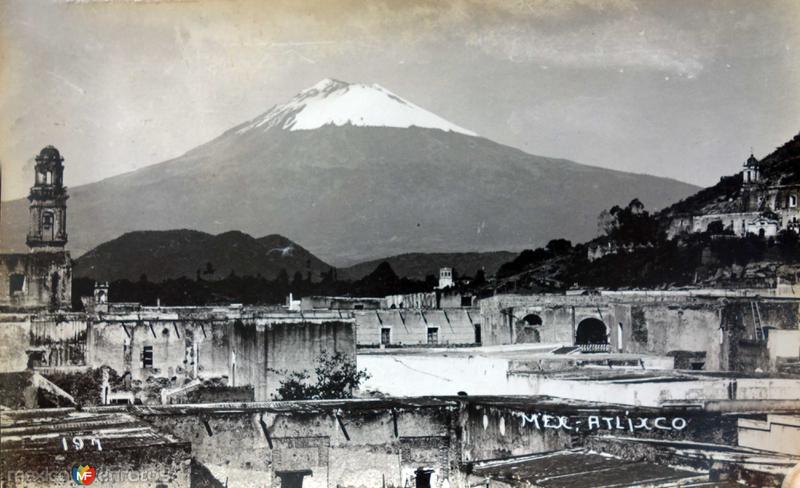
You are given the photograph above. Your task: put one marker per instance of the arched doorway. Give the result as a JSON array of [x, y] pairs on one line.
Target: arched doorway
[[532, 319], [591, 331], [527, 329]]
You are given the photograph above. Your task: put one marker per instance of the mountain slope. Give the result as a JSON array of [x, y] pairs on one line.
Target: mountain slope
[[175, 253], [354, 192]]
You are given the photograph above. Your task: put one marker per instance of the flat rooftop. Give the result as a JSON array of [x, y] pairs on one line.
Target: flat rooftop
[[581, 468], [42, 430]]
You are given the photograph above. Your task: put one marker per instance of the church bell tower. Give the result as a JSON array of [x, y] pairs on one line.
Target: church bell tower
[[750, 174], [47, 230]]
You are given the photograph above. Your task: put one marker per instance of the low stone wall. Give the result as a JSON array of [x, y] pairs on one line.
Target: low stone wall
[[347, 446]]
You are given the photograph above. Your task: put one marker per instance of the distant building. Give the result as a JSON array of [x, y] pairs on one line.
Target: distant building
[[340, 303], [445, 278], [447, 298], [41, 278], [605, 246], [418, 327], [293, 305], [761, 208]]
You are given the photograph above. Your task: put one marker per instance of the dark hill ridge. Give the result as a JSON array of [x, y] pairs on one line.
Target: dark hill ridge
[[175, 253], [417, 266]]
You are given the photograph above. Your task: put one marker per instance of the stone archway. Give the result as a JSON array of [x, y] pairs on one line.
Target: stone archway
[[527, 330], [532, 319], [591, 331]]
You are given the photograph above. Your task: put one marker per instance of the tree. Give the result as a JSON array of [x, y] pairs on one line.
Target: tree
[[480, 278], [298, 284], [789, 245], [559, 247], [336, 377], [525, 259], [295, 387], [282, 279], [630, 225]]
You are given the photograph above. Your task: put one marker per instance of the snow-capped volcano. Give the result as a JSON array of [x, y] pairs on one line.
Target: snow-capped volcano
[[352, 172], [334, 102]]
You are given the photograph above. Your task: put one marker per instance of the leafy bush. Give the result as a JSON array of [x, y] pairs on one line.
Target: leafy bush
[[336, 377], [85, 386]]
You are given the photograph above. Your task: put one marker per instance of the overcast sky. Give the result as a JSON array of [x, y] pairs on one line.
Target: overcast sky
[[668, 87]]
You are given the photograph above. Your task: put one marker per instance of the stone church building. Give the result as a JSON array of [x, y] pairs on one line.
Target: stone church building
[[42, 278]]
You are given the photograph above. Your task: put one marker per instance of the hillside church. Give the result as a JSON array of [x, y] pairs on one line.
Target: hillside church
[[41, 279], [762, 207]]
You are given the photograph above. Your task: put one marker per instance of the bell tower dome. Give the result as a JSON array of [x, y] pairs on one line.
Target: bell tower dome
[[47, 229], [750, 174]]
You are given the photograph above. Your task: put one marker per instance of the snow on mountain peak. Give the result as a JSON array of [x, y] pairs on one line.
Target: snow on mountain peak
[[334, 102]]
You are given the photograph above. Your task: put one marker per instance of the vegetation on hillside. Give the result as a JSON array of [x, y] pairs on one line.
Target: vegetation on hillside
[[641, 256]]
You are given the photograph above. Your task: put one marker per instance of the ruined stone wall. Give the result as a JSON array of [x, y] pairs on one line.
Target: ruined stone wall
[[495, 323], [12, 264], [410, 327], [747, 324], [783, 345], [107, 344], [663, 330], [213, 348], [121, 346], [265, 353], [723, 329], [62, 337], [504, 318], [43, 340], [248, 351], [492, 432], [47, 281], [336, 448], [14, 338]]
